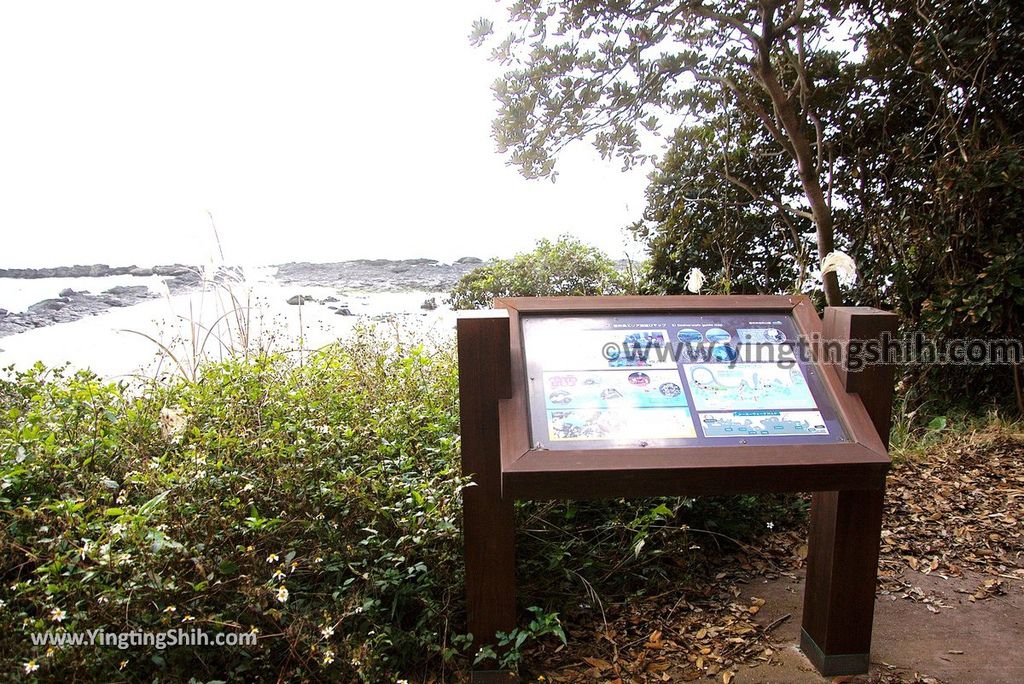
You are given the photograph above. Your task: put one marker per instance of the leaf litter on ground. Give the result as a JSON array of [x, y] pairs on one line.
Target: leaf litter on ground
[[959, 508]]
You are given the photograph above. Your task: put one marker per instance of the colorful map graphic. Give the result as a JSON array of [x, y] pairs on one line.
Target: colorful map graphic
[[633, 387], [762, 423], [747, 386], [626, 424]]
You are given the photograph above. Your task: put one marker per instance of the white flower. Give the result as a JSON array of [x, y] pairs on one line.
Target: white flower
[[278, 575], [31, 666], [171, 609], [116, 529], [282, 594], [770, 525], [58, 615], [328, 657], [327, 632], [842, 265], [272, 558], [695, 280]]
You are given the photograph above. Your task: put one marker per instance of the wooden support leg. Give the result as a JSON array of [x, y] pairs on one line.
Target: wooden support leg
[[488, 517], [489, 529], [842, 567], [846, 526]]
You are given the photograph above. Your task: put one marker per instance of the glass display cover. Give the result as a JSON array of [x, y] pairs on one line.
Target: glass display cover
[[671, 380]]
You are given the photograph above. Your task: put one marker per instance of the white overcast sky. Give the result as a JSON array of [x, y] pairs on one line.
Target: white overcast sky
[[316, 131]]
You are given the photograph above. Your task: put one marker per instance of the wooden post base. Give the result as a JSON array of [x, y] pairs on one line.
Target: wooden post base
[[834, 664], [842, 567]]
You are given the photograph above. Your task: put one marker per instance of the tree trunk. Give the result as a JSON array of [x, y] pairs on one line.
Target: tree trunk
[[801, 151]]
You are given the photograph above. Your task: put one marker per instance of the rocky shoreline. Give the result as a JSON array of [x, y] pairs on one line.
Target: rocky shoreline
[[96, 271], [379, 275], [70, 306]]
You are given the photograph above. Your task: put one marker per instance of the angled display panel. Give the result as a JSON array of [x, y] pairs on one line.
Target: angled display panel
[[600, 381]]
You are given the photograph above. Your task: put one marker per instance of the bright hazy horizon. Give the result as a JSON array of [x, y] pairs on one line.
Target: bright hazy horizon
[[313, 131]]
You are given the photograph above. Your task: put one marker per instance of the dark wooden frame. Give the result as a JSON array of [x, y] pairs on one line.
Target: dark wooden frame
[[848, 478]]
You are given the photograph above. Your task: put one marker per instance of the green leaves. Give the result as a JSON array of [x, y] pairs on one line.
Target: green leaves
[[564, 267], [281, 469]]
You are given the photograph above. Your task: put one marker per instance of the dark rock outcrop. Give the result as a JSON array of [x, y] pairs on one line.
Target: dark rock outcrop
[[71, 306], [381, 275], [93, 271]]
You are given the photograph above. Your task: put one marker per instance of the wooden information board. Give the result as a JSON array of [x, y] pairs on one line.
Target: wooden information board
[[587, 397]]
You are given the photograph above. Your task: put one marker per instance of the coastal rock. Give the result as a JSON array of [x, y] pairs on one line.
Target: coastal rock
[[429, 304], [173, 270], [93, 271], [129, 290], [187, 280], [469, 260], [379, 275], [71, 306], [343, 311], [48, 305]]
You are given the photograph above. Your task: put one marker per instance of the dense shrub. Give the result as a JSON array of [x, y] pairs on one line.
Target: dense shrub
[[565, 267], [315, 505]]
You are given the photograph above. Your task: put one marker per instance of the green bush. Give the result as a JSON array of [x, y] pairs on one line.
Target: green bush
[[565, 267], [315, 505]]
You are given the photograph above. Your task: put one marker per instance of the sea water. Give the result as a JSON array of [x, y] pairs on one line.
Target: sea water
[[203, 324]]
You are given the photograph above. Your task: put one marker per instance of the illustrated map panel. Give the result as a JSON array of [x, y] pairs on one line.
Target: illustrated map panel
[[606, 381]]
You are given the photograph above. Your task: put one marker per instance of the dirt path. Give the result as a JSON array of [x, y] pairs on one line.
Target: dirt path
[[949, 639], [950, 604]]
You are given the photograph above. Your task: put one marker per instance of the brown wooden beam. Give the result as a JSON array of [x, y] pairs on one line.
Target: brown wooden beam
[[846, 526], [488, 517]]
